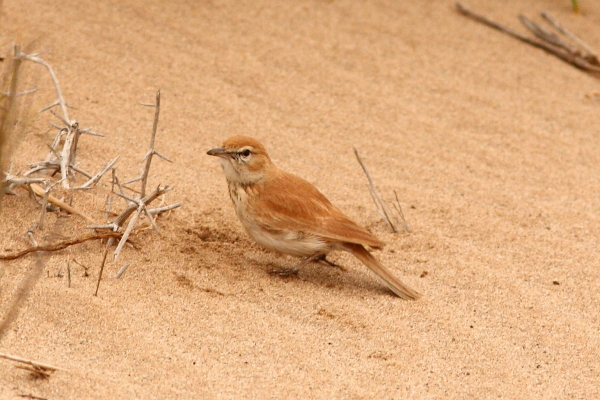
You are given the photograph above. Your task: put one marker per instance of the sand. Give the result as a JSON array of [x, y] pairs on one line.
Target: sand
[[492, 147]]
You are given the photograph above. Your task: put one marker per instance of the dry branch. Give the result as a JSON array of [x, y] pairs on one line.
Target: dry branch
[[60, 245], [549, 42]]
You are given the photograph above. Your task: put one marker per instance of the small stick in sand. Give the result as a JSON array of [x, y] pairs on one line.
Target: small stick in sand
[[34, 364]]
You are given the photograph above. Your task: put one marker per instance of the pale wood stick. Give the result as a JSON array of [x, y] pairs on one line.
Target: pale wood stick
[[71, 210], [31, 362]]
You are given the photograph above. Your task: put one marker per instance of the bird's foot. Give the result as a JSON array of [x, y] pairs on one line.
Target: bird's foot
[[323, 259], [286, 272]]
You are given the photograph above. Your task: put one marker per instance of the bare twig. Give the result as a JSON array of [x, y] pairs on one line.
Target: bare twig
[[44, 204], [86, 269], [60, 245], [10, 181], [69, 269], [30, 396]]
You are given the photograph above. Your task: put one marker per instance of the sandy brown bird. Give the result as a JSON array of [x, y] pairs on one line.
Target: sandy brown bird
[[287, 214]]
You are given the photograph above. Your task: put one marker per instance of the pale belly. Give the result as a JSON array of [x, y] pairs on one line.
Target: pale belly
[[292, 243], [286, 242]]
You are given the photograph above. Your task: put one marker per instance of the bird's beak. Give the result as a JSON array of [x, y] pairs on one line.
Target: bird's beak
[[218, 152]]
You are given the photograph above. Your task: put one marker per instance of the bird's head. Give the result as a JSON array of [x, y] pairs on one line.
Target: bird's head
[[243, 159]]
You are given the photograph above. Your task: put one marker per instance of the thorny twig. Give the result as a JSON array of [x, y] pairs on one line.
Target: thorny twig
[[136, 206], [63, 160], [151, 151]]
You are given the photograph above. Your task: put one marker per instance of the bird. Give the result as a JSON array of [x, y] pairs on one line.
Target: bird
[[287, 214]]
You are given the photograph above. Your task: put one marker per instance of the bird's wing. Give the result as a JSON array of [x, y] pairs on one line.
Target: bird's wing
[[297, 205]]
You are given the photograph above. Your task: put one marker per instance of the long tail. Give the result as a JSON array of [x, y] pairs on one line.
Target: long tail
[[399, 288]]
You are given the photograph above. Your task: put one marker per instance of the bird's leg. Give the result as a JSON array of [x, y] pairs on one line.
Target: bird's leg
[[297, 267], [323, 259]]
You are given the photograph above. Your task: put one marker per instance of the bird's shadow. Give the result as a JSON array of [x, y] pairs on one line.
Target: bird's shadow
[[330, 274]]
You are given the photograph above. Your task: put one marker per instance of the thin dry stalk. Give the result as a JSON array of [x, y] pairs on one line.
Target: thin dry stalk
[[69, 269], [399, 211], [101, 270], [60, 100], [381, 205]]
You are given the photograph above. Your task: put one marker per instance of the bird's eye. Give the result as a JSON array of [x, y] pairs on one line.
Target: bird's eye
[[246, 153]]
